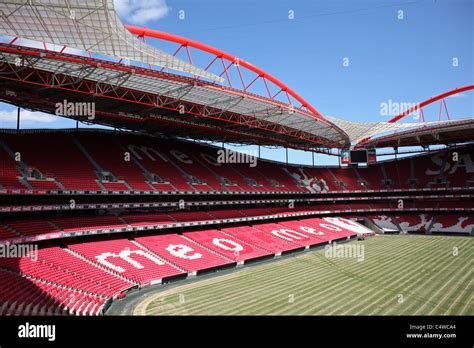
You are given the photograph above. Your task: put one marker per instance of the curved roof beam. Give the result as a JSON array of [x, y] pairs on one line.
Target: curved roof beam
[[145, 32], [431, 100]]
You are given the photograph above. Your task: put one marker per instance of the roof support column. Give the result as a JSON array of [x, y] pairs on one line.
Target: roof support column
[[18, 119], [339, 157]]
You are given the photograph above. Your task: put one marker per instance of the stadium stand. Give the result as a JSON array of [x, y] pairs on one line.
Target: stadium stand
[[226, 245], [335, 227], [147, 219], [105, 207], [158, 165], [43, 184], [28, 296], [59, 226], [385, 222], [453, 223], [263, 240], [183, 252], [68, 284], [315, 236], [414, 222], [347, 179], [286, 233], [6, 232], [226, 214], [426, 223], [276, 174], [373, 177], [188, 216], [9, 178], [45, 161], [162, 169], [84, 223], [109, 158], [228, 176], [126, 258], [30, 227], [82, 276]]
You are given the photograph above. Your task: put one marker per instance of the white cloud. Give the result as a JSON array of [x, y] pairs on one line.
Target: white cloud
[[27, 116], [142, 11]]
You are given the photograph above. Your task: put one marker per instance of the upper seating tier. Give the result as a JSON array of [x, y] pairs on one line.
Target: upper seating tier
[[121, 161]]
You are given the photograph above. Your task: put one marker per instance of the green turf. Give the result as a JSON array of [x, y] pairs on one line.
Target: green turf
[[399, 275]]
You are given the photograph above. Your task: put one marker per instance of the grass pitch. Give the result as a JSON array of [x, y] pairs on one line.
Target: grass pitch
[[400, 275]]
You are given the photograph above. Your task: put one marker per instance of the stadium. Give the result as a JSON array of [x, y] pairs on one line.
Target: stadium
[[147, 206]]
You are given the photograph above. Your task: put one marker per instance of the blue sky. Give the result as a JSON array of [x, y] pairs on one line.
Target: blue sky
[[403, 60]]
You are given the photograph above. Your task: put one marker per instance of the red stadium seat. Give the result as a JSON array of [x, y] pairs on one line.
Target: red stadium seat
[[151, 164], [226, 245], [182, 252], [260, 239], [127, 259]]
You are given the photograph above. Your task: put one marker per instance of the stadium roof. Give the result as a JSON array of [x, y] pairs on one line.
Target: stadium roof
[[230, 110], [155, 101], [382, 134], [429, 133], [85, 25], [395, 133], [222, 111]]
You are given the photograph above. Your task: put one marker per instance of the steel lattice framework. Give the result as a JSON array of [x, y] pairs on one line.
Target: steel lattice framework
[[158, 100], [422, 133], [160, 91], [228, 62], [94, 26]]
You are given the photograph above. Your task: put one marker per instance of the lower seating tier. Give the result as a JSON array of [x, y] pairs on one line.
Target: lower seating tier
[[81, 276]]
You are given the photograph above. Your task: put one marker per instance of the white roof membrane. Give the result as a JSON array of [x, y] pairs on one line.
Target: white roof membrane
[[88, 25]]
